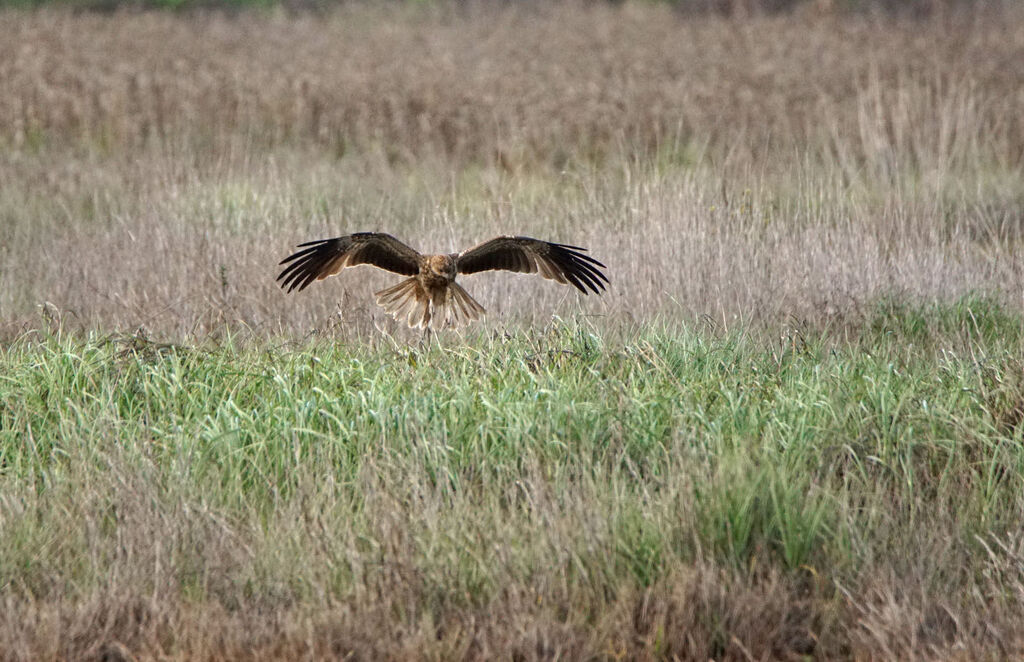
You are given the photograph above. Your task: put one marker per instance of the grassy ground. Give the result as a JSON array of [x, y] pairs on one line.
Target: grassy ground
[[564, 492], [791, 428]]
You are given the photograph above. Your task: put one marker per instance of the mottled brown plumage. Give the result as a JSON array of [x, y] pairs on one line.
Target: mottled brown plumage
[[430, 296]]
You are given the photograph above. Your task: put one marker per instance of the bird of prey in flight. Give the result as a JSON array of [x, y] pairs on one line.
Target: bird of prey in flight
[[430, 296]]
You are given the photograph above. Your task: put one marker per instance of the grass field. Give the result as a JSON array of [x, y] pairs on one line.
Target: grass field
[[559, 492], [791, 429]]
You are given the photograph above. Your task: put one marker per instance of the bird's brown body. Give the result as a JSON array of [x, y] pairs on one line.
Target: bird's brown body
[[419, 300], [438, 270], [430, 296]]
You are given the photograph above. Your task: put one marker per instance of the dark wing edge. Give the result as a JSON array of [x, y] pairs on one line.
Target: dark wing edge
[[325, 257], [559, 262]]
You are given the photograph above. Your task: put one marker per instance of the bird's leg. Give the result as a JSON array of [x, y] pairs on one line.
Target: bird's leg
[[425, 338]]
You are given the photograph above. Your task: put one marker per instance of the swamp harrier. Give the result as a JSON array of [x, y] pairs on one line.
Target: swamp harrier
[[431, 296]]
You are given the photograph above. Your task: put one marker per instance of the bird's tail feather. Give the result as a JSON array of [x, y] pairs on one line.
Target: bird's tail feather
[[409, 302], [462, 308]]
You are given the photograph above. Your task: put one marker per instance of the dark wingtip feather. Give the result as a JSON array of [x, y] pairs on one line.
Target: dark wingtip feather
[[301, 272], [592, 261], [574, 251], [315, 242], [308, 248], [571, 277], [580, 270]]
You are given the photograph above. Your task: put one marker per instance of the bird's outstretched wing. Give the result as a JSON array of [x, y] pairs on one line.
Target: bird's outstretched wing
[[559, 262], [326, 257]]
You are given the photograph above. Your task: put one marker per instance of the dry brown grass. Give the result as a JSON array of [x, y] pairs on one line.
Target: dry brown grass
[[167, 576], [156, 168], [521, 85]]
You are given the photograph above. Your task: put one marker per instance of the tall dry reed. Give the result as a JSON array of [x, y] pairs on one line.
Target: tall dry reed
[[156, 168]]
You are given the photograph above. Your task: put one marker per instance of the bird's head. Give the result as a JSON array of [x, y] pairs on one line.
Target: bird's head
[[443, 265]]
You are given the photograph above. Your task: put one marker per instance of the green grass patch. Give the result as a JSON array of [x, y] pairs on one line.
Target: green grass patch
[[728, 446], [563, 466]]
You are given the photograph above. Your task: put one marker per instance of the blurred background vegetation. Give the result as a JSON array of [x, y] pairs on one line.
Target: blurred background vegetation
[[918, 8]]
